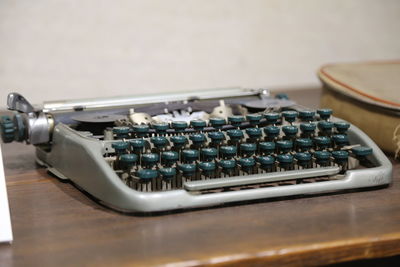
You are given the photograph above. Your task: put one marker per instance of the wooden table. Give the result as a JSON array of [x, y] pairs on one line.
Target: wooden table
[[56, 224]]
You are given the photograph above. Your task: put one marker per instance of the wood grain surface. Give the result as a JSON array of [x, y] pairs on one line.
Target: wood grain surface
[[56, 224]]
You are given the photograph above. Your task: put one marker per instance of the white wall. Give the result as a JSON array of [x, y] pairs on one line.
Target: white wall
[[72, 49]]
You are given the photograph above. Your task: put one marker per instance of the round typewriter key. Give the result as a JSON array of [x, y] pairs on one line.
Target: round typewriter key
[[290, 130], [227, 165], [190, 155], [187, 169], [120, 147], [361, 151], [198, 125], [272, 132], [306, 115], [178, 140], [179, 126], [159, 141], [209, 153], [307, 128], [236, 120], [127, 161], [160, 127], [150, 159], [146, 175], [322, 142], [247, 164], [254, 119], [340, 139], [322, 157], [254, 132], [341, 127], [217, 123], [169, 157], [141, 130], [267, 147], [285, 161], [289, 115], [207, 168], [266, 162], [272, 117], [340, 156], [121, 131], [304, 143], [167, 173], [235, 135], [324, 113], [228, 152], [248, 149], [284, 146], [197, 138], [216, 137], [303, 158], [325, 126]]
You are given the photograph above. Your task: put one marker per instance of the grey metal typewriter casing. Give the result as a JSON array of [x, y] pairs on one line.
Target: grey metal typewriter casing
[[78, 155]]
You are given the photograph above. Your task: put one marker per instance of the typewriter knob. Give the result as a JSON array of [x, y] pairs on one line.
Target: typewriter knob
[[303, 158], [198, 125], [289, 115], [307, 128], [340, 139], [141, 130], [228, 151], [304, 143], [342, 127], [236, 120], [272, 131], [128, 160], [324, 113], [254, 119], [248, 148], [266, 161], [216, 137], [150, 159], [361, 151], [217, 123], [209, 153], [120, 147], [254, 132], [207, 167], [267, 147], [272, 117], [284, 146], [7, 128], [160, 127], [322, 141], [322, 157], [179, 126], [285, 160], [146, 174], [190, 155], [159, 141], [290, 130], [167, 173], [340, 156], [306, 115]]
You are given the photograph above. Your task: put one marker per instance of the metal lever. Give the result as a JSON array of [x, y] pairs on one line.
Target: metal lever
[[19, 103]]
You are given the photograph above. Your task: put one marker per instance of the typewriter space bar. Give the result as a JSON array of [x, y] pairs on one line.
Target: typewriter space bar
[[260, 178]]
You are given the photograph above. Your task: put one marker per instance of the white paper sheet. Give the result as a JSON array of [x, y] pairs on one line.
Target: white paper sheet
[[5, 222]]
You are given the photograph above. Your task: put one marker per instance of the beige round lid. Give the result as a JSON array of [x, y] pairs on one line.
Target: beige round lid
[[376, 83]]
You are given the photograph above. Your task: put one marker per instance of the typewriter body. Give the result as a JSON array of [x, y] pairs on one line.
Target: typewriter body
[[197, 149]]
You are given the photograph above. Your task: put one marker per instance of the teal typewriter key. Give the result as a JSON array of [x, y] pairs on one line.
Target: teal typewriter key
[[146, 178], [322, 158], [324, 113], [159, 141], [306, 115], [307, 129], [149, 160], [304, 144], [207, 168], [325, 127], [340, 139], [167, 173], [266, 147], [179, 126], [169, 158], [179, 141], [236, 120], [228, 166], [285, 161], [247, 164], [187, 170], [266, 162], [248, 149], [322, 142], [137, 145], [361, 151], [141, 130], [290, 131], [289, 115], [198, 125], [282, 96], [284, 146], [341, 157], [341, 127], [272, 117], [120, 147], [216, 137], [197, 139], [227, 152], [303, 159], [190, 155], [254, 119], [121, 131], [160, 127], [209, 154], [272, 132], [127, 161], [254, 133], [217, 123], [235, 135]]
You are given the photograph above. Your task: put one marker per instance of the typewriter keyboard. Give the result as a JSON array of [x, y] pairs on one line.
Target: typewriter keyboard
[[256, 150]]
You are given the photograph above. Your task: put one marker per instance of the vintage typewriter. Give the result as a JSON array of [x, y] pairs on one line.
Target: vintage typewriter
[[197, 149]]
